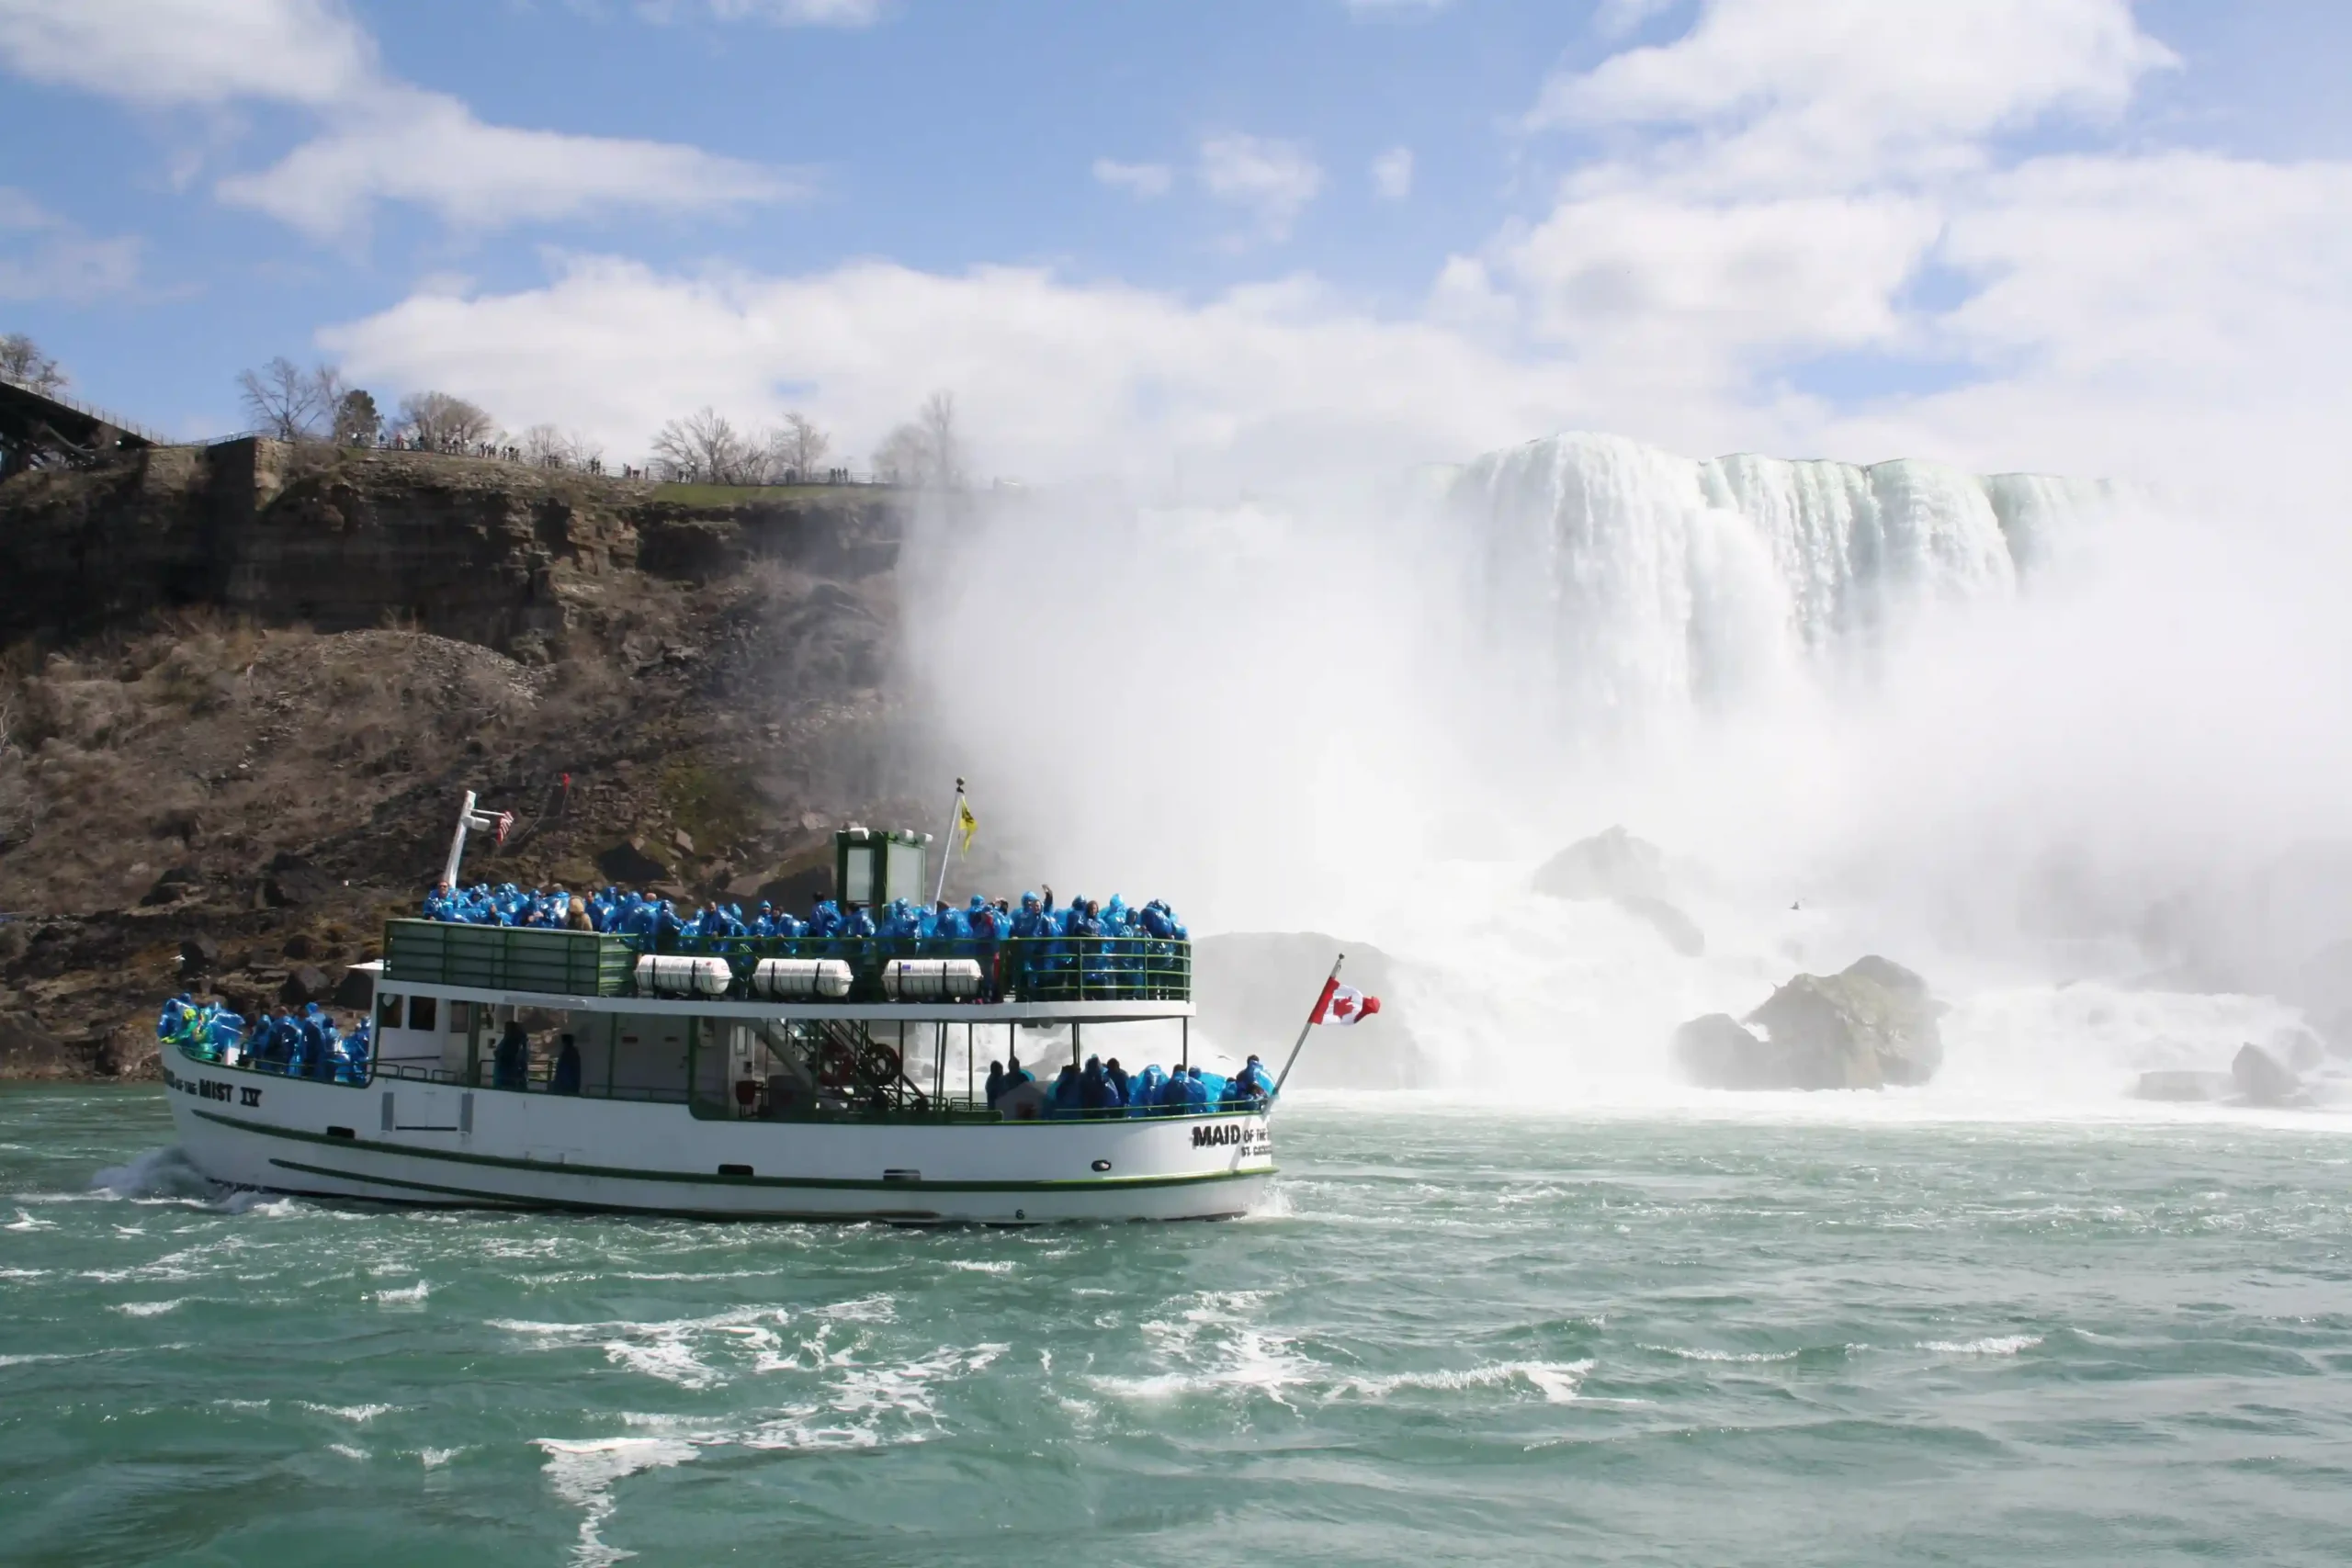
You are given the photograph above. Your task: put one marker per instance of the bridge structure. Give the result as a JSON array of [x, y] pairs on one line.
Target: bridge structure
[[40, 429]]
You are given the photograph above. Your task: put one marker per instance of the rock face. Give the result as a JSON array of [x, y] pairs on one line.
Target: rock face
[[251, 680], [1627, 871], [1254, 991], [1871, 1024], [2264, 1080]]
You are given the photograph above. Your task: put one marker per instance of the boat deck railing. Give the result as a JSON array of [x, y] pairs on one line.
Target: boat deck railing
[[1018, 969], [913, 1104]]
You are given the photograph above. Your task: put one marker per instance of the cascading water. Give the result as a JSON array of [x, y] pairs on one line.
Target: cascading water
[[1847, 703]]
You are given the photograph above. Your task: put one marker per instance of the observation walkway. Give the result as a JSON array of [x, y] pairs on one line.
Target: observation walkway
[[38, 427]]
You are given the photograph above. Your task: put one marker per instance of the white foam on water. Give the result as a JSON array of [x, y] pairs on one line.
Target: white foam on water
[[584, 1472], [149, 1309], [1555, 1380], [1734, 1357], [434, 1459], [1993, 1345], [983, 1265], [346, 1450], [357, 1414], [25, 1222], [405, 1295]]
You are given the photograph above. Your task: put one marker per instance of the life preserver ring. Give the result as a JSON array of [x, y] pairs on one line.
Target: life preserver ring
[[836, 1068], [880, 1062]]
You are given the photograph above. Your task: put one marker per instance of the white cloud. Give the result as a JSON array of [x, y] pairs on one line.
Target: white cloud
[[190, 51], [1272, 179], [1764, 92], [2168, 315], [796, 13], [1392, 174], [44, 256], [1144, 180], [380, 138], [429, 150]]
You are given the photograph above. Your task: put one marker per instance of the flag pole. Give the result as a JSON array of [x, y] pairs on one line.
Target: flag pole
[[947, 845], [1308, 1028]]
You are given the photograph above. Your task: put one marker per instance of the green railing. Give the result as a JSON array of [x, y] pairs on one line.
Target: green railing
[[1023, 969]]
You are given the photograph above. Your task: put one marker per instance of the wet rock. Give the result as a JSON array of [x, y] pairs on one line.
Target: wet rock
[[290, 880], [2264, 1080], [356, 990], [628, 865], [305, 983], [1625, 871], [129, 1050], [2187, 1086], [179, 882], [1871, 1024], [29, 1051], [1721, 1053], [299, 946], [200, 956]]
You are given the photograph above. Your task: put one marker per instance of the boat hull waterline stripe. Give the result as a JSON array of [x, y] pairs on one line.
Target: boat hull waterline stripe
[[621, 1173]]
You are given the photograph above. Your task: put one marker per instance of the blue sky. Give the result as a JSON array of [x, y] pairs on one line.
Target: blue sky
[[1804, 263]]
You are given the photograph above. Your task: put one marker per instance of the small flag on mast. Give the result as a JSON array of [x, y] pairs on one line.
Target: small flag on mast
[[1343, 1004], [966, 823]]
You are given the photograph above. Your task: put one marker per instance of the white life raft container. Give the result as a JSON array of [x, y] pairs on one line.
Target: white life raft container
[[682, 975], [930, 979], [800, 979]]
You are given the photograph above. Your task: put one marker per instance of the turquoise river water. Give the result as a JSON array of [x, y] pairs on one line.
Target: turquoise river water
[[1459, 1336]]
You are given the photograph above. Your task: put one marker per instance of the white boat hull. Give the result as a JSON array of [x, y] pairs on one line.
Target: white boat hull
[[408, 1141]]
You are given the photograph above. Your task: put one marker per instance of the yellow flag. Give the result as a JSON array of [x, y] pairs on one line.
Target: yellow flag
[[967, 823]]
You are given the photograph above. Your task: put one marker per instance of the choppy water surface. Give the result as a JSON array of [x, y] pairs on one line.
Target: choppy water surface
[[1463, 1337]]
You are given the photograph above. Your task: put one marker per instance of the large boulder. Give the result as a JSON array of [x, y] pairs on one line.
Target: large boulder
[[290, 880], [2262, 1079], [1871, 1024], [1254, 990], [1625, 871], [626, 864]]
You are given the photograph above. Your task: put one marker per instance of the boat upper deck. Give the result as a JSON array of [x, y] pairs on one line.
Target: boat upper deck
[[1074, 977]]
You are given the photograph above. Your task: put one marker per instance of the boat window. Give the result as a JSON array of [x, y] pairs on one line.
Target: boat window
[[387, 1012], [420, 1012]]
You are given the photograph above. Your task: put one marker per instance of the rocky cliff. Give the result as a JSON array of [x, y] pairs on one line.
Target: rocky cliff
[[243, 686]]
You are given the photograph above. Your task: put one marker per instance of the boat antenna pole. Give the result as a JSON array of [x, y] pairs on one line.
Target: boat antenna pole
[[1321, 997], [947, 844], [468, 817]]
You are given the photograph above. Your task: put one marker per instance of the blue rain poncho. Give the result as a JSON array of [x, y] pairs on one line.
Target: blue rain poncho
[[1030, 919], [567, 1070], [1143, 1094], [1067, 1098], [859, 925]]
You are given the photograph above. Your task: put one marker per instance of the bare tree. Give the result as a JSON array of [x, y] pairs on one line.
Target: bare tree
[[795, 449], [706, 449], [22, 361], [547, 447], [942, 439], [293, 404], [927, 450], [904, 458], [440, 421]]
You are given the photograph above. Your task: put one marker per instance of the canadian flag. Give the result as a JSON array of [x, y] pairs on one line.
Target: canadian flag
[[1343, 1004]]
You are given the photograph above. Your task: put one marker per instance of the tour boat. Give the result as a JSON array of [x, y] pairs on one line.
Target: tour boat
[[741, 1077]]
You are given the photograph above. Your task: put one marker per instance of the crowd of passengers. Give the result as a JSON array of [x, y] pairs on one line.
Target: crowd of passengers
[[304, 1045], [1105, 1088], [650, 914]]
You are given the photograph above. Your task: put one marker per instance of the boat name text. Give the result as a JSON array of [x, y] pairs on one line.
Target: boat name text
[[213, 1088]]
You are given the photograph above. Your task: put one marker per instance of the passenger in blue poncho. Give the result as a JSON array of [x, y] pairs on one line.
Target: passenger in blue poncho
[[1116, 1077], [510, 1065], [995, 1084], [1030, 920], [825, 920], [859, 924], [171, 1023], [1250, 1086], [1067, 1098], [351, 1063]]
